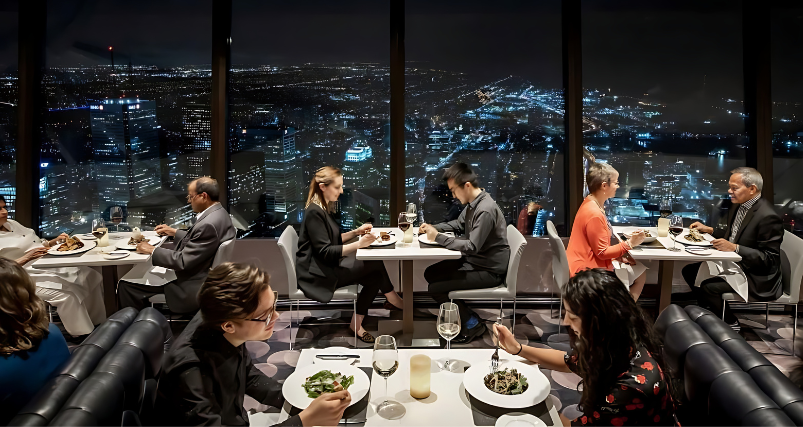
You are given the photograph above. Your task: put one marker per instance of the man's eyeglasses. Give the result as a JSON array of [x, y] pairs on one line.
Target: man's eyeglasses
[[270, 313]]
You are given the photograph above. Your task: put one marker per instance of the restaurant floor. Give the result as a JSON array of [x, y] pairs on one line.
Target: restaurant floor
[[534, 327]]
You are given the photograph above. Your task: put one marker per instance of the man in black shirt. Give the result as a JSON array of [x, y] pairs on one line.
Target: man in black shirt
[[483, 244], [208, 371]]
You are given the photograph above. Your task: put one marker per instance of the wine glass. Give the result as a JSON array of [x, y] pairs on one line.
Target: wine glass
[[448, 328], [99, 230], [407, 229], [675, 228], [116, 215], [386, 363], [411, 213]]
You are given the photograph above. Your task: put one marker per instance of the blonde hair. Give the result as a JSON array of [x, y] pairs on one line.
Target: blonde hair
[[598, 174], [326, 176]]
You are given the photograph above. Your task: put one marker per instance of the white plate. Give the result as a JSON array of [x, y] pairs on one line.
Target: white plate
[[699, 250], [682, 239], [537, 390], [123, 244], [393, 239], [88, 245], [87, 236], [293, 387], [422, 238], [116, 254], [653, 233], [519, 419]]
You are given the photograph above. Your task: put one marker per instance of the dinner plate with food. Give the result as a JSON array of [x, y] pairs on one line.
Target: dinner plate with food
[[650, 233], [422, 238], [514, 385], [385, 238], [131, 243], [694, 237], [73, 245], [308, 382]]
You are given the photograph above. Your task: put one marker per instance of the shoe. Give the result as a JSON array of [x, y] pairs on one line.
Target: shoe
[[388, 306], [366, 338], [735, 326], [470, 334]]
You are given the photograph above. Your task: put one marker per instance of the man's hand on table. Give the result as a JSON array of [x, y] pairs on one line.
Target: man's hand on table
[[326, 410], [702, 227], [145, 248], [164, 230], [724, 245], [429, 230]]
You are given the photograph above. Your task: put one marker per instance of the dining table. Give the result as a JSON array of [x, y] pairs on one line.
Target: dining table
[[95, 258], [666, 259], [406, 254], [448, 404]]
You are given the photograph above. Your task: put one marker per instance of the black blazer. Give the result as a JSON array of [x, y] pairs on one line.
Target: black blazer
[[759, 239], [320, 248]]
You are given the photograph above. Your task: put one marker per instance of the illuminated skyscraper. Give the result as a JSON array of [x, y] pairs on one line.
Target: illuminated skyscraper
[[125, 144]]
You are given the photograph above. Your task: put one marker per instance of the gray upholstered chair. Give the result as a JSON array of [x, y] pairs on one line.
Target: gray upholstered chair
[[507, 290], [792, 273], [288, 246], [560, 272]]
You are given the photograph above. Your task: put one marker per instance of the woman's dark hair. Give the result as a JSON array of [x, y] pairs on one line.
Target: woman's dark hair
[[613, 327], [2, 198], [23, 316], [209, 186], [461, 173], [231, 291]]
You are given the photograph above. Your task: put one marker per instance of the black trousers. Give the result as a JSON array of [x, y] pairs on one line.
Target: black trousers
[[457, 275], [136, 295], [373, 277], [709, 294]]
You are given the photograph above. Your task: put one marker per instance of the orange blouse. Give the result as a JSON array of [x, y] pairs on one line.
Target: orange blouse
[[590, 241]]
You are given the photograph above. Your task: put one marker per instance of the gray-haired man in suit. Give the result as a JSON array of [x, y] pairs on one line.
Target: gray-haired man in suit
[[191, 259]]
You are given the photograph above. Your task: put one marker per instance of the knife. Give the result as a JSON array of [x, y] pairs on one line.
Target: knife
[[337, 356]]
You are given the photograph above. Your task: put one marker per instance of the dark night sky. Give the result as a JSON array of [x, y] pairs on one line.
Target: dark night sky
[[664, 48]]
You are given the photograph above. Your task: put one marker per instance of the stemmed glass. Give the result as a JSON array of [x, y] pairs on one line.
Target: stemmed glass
[[116, 215], [407, 229], [448, 328], [675, 228], [386, 363], [99, 230], [411, 213]]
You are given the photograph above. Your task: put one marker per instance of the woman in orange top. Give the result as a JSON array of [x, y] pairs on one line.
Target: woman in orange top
[[590, 241]]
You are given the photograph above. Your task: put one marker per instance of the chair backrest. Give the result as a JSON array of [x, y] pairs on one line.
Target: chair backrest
[[224, 253], [560, 262], [517, 242], [792, 265], [288, 246]]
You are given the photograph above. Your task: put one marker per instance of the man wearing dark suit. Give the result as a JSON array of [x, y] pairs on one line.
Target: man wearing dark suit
[[755, 232], [193, 254]]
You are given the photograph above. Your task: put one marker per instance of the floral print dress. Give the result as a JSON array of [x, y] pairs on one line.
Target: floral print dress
[[639, 397]]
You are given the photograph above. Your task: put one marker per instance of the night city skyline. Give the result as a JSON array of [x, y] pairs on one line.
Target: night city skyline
[[662, 104]]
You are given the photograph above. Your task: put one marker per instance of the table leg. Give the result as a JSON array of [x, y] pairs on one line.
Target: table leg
[[406, 271], [110, 288], [665, 270]]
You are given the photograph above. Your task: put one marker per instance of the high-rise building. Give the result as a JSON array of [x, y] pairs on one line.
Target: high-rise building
[[197, 125], [125, 144], [266, 175]]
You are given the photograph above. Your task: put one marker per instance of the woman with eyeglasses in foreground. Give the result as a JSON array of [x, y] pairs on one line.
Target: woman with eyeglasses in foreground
[[208, 371], [613, 349]]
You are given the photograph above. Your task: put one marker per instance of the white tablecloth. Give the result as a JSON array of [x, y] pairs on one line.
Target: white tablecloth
[[447, 406]]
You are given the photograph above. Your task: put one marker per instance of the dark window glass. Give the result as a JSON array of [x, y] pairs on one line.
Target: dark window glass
[[663, 103], [787, 115], [132, 135], [484, 87], [8, 101], [311, 90]]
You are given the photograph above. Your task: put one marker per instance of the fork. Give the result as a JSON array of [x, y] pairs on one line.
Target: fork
[[495, 356]]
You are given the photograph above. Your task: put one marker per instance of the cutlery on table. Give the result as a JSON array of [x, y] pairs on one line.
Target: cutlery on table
[[337, 356]]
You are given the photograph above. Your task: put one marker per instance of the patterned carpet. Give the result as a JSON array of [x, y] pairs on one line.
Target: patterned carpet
[[534, 327]]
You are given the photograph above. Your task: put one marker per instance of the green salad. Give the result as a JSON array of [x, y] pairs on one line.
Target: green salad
[[327, 382]]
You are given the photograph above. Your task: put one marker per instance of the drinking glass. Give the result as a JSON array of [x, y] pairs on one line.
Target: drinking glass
[[448, 328], [99, 230], [116, 215], [386, 363], [411, 213], [407, 229], [676, 229], [665, 208]]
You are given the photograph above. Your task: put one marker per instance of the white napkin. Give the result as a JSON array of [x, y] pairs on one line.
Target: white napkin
[[726, 270], [158, 270]]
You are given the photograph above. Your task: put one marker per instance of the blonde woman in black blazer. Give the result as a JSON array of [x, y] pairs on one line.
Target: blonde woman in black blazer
[[319, 266]]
